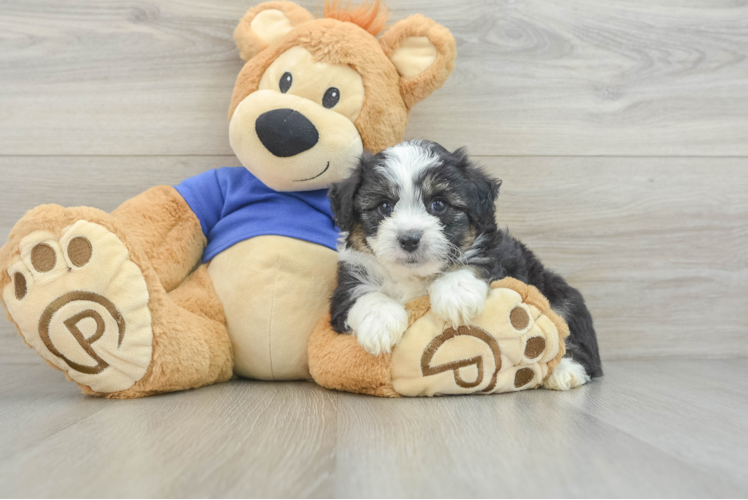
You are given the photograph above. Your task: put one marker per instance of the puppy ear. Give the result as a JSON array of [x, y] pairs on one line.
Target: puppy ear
[[423, 53], [485, 190], [342, 194], [265, 24]]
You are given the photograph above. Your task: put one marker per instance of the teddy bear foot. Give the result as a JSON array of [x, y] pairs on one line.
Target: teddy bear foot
[[516, 343], [82, 291], [79, 300]]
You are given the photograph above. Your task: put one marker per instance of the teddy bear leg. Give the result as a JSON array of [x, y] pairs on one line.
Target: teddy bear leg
[[80, 287], [191, 347]]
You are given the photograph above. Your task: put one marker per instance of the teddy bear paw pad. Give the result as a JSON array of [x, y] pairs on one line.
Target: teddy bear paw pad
[[504, 349], [83, 305]]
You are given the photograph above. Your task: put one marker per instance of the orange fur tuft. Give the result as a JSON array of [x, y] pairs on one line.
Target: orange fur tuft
[[371, 15]]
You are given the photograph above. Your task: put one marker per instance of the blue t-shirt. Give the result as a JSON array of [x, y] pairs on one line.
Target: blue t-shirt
[[233, 206]]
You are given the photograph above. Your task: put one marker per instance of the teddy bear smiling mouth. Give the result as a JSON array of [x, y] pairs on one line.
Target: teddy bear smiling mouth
[[312, 178]]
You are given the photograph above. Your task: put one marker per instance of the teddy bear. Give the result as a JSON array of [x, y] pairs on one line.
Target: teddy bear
[[228, 272]]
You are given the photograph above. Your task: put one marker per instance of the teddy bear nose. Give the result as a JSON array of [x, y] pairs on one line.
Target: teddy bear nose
[[286, 132]]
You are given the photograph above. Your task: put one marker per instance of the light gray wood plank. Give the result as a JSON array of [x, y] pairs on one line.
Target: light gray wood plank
[[658, 246], [114, 77], [584, 77], [532, 78], [239, 439], [13, 351], [656, 428], [694, 410], [37, 403], [103, 182], [530, 444]]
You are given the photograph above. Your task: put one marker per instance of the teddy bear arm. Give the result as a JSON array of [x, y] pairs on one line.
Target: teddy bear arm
[[168, 230]]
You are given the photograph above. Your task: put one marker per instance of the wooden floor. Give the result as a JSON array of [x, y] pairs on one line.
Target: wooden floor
[[620, 130], [666, 428]]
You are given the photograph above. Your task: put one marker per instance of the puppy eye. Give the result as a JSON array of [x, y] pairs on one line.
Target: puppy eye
[[385, 208], [285, 82], [331, 98], [437, 207]]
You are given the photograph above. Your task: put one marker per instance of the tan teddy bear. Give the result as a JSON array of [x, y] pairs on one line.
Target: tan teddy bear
[[230, 271]]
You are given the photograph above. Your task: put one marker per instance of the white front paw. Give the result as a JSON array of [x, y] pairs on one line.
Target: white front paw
[[567, 375], [458, 296], [378, 322]]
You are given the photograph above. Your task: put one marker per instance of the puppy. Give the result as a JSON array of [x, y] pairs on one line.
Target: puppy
[[418, 220]]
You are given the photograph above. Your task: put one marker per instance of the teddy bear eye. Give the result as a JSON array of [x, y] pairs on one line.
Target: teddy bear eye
[[331, 98], [285, 82]]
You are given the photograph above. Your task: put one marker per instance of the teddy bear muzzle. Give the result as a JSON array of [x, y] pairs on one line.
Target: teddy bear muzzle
[[291, 143]]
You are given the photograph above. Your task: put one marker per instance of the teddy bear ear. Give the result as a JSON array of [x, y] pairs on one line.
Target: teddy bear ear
[[423, 53], [265, 24]]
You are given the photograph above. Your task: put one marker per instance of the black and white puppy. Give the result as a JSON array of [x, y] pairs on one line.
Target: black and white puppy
[[418, 220]]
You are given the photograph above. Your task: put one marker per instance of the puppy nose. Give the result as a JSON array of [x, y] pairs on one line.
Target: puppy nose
[[409, 242], [285, 132]]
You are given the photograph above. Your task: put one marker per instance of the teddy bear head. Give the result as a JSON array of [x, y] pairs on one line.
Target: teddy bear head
[[315, 93]]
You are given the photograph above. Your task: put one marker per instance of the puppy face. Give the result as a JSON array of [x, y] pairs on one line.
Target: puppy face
[[415, 206]]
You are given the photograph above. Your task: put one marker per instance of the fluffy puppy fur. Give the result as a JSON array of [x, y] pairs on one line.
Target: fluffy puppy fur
[[418, 220]]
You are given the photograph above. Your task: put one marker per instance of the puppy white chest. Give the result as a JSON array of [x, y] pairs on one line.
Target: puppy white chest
[[399, 284], [407, 289]]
